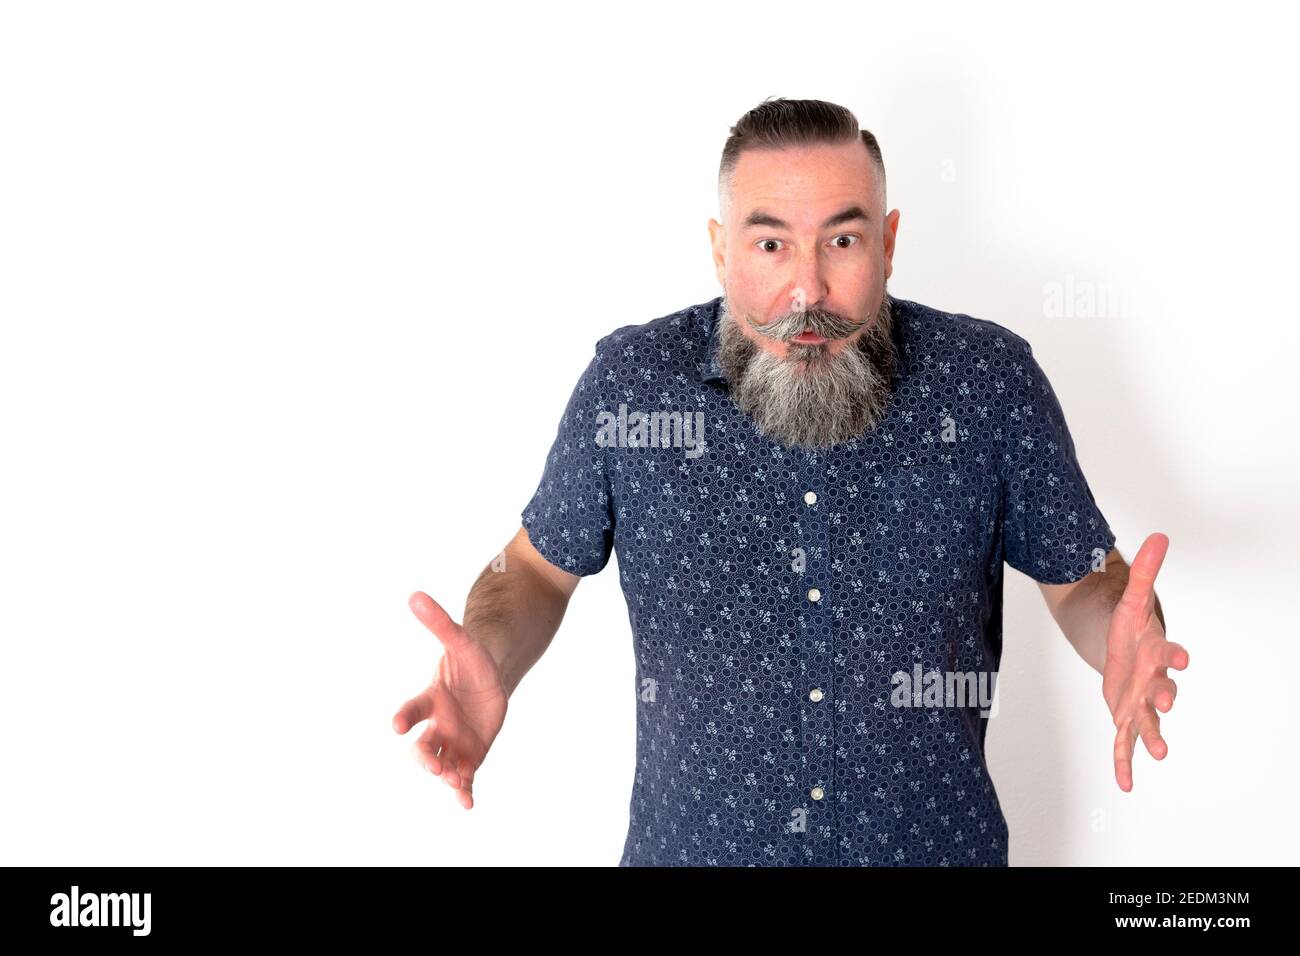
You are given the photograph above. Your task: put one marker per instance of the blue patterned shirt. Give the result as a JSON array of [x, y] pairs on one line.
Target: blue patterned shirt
[[802, 618]]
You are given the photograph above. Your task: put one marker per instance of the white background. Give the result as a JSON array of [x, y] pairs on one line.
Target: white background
[[293, 294]]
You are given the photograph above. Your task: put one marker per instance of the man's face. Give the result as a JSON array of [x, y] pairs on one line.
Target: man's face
[[803, 255]]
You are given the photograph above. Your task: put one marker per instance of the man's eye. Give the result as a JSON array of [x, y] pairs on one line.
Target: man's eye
[[766, 244]]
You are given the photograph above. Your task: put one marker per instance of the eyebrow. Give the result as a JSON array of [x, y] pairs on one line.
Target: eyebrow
[[761, 218]]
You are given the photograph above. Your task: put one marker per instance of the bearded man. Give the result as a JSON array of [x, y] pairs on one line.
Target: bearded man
[[815, 597]]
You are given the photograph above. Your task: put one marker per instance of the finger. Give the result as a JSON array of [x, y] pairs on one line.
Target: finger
[[432, 616], [1149, 728], [460, 779], [1176, 656], [458, 768], [451, 751], [450, 768], [467, 770], [442, 756], [1140, 589], [427, 747], [1162, 693], [1125, 736], [466, 792], [421, 755], [464, 773], [412, 712]]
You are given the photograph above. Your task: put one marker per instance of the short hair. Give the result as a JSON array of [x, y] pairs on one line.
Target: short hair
[[777, 123]]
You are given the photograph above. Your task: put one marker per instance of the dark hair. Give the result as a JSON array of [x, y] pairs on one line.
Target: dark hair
[[777, 123]]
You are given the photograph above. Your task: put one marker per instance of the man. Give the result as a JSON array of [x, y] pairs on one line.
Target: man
[[812, 486]]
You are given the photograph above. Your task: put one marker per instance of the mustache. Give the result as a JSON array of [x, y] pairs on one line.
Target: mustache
[[812, 402], [828, 325]]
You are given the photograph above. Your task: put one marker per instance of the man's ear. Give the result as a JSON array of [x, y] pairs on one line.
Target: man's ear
[[718, 241], [891, 235]]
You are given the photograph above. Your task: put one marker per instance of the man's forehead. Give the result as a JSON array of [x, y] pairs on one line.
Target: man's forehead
[[796, 210], [792, 191]]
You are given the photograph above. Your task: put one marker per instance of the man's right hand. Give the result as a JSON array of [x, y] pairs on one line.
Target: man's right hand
[[465, 705]]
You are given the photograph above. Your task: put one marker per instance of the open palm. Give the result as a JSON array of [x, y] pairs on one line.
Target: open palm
[[465, 704], [1135, 679]]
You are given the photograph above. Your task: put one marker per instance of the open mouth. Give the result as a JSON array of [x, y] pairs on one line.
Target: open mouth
[[808, 338]]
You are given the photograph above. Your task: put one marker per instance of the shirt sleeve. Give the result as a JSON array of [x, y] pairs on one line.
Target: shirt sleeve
[[570, 518], [1053, 530]]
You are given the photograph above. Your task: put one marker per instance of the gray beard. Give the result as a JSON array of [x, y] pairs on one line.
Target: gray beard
[[811, 399]]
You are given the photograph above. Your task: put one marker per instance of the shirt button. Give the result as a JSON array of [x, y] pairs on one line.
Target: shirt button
[[815, 694], [817, 793], [810, 497], [814, 595]]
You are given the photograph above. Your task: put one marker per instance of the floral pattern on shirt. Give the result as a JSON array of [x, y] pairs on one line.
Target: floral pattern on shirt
[[765, 729]]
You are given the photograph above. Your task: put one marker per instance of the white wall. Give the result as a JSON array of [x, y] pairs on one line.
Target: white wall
[[292, 297]]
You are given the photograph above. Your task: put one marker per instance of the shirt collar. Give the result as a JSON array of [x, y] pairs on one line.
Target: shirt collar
[[708, 369]]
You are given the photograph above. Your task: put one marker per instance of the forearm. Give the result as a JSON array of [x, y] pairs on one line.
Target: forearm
[[1084, 615], [513, 613]]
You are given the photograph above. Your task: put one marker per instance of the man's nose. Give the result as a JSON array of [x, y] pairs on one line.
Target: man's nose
[[808, 290]]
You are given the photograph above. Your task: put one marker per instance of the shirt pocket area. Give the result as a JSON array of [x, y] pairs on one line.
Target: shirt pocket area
[[934, 524]]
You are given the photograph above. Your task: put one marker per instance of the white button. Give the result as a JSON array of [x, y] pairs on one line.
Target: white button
[[810, 497], [814, 595], [818, 793], [815, 694]]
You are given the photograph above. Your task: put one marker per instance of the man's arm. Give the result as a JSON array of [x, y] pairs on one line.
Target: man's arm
[[1083, 608], [515, 607]]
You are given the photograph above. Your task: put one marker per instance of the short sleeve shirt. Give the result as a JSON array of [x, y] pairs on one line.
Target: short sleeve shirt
[[810, 626]]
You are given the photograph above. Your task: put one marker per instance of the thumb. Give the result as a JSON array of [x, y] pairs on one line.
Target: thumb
[[432, 616], [1142, 572]]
